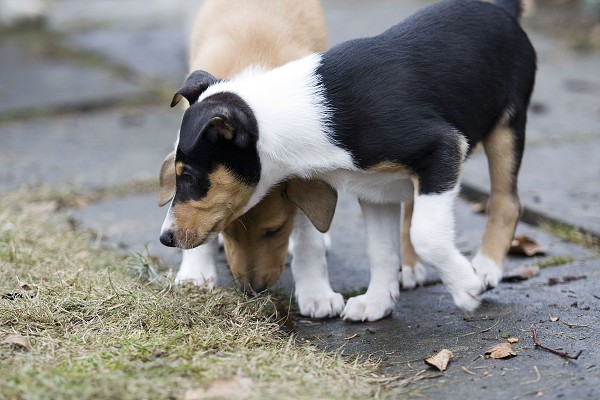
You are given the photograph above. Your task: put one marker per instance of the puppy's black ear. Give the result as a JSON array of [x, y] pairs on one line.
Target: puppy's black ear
[[192, 88]]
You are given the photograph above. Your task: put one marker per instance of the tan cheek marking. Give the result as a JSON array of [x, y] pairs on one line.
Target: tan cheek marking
[[179, 168], [224, 201]]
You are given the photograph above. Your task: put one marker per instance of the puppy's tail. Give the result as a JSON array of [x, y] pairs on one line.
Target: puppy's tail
[[513, 7]]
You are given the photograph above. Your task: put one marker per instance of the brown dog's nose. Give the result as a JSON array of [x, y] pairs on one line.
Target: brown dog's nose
[[167, 238], [254, 287]]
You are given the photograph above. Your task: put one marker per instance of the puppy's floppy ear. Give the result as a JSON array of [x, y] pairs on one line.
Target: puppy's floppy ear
[[196, 83], [315, 198], [167, 180]]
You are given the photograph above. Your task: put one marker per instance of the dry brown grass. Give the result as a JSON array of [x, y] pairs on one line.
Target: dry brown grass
[[96, 331]]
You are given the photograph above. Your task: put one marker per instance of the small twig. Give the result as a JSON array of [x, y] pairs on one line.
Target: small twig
[[468, 372], [575, 325], [527, 394], [536, 380], [351, 337], [490, 328], [482, 331], [536, 343]]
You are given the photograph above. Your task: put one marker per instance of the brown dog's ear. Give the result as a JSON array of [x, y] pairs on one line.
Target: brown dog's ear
[[315, 198], [196, 83], [166, 190]]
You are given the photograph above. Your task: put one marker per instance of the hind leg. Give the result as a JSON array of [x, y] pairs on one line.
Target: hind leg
[[413, 272], [504, 150]]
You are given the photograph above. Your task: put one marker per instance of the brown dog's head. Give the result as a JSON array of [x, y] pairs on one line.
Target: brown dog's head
[[256, 243]]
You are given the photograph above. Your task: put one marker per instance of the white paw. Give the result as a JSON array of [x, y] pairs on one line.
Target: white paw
[[488, 271], [324, 304], [206, 281], [369, 307], [411, 277], [465, 292]]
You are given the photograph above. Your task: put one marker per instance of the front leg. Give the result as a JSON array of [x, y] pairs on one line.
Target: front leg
[[382, 223], [198, 265], [314, 294], [432, 235]]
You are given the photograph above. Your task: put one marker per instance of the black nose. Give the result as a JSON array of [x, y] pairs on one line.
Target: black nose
[[167, 238]]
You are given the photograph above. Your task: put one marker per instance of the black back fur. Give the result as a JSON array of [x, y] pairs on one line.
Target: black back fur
[[408, 95]]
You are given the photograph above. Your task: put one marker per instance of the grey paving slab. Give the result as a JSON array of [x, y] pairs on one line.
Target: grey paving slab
[[70, 15], [559, 179], [32, 80], [425, 321], [89, 150], [350, 19], [159, 53]]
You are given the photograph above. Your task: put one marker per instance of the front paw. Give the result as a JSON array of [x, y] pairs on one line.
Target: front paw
[[488, 271], [324, 304], [466, 291], [411, 277], [198, 280], [369, 307]]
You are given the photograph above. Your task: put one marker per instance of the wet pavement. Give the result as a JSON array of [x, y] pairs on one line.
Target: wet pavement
[[86, 107]]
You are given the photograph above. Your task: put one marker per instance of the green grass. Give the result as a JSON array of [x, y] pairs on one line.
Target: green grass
[[572, 234], [97, 332], [553, 261]]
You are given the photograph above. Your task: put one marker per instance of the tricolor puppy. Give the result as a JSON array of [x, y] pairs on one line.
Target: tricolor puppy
[[389, 118], [229, 36]]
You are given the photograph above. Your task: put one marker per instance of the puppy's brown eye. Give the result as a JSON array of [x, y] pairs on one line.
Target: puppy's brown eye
[[271, 232]]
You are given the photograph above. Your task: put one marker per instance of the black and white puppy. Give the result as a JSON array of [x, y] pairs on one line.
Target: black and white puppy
[[389, 118]]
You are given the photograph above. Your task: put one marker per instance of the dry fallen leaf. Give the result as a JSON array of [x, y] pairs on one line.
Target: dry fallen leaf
[[17, 340], [234, 388], [440, 360], [520, 273], [501, 350], [478, 207], [525, 246], [512, 340]]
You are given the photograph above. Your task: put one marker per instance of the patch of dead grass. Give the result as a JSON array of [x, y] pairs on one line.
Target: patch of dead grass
[[95, 331]]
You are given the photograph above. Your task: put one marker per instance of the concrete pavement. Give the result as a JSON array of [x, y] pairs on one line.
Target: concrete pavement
[[85, 107]]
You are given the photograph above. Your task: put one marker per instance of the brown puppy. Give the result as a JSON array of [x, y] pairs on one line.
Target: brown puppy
[[229, 36]]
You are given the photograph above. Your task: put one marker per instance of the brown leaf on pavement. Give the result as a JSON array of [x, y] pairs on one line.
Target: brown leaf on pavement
[[525, 246], [234, 388], [501, 350], [520, 273], [17, 340], [440, 360], [512, 340]]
